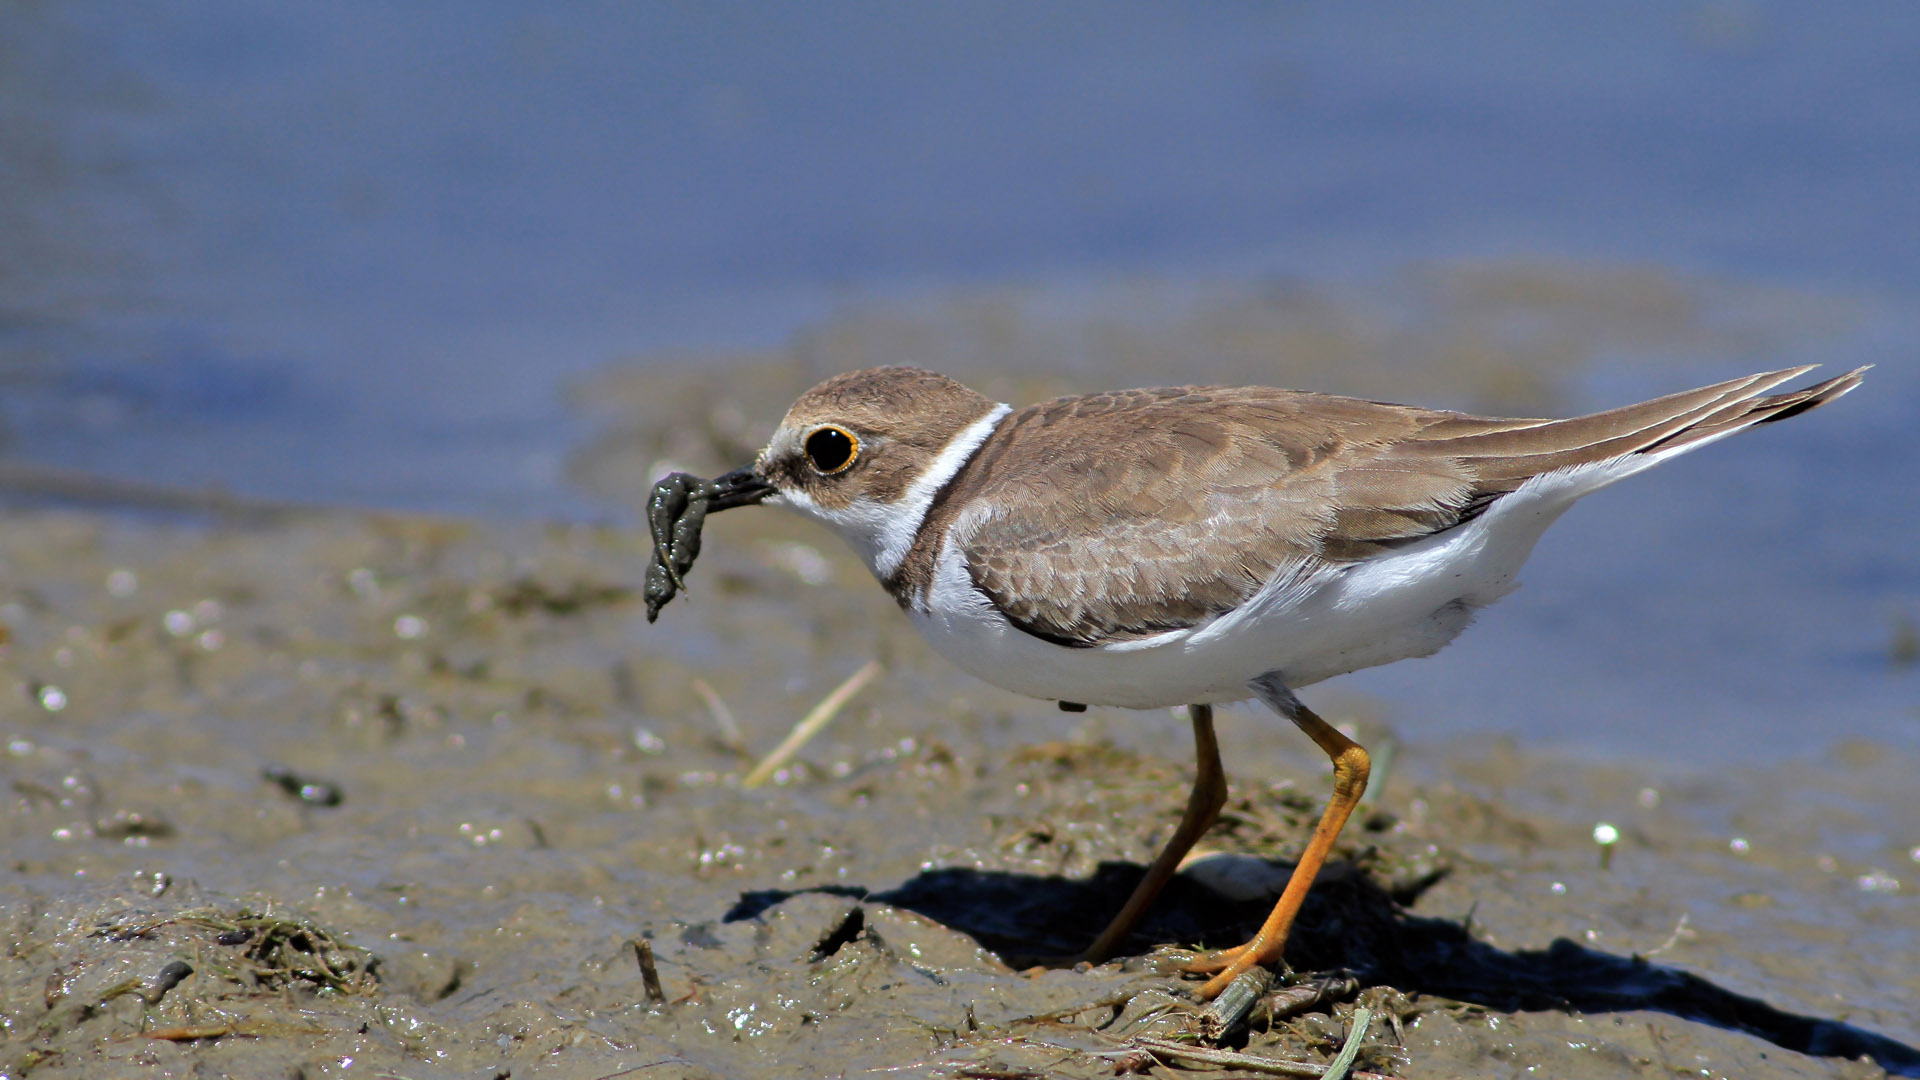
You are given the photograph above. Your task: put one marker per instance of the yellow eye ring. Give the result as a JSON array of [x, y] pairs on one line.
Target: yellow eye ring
[[831, 449]]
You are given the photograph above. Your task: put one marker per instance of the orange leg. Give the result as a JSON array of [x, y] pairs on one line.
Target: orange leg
[[1203, 809], [1350, 765]]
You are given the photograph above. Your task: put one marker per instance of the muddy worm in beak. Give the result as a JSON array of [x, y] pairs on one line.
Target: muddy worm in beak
[[676, 511]]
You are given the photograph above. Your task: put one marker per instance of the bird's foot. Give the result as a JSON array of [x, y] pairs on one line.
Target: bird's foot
[[1226, 965]]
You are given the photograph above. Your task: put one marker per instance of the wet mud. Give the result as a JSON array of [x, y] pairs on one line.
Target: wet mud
[[325, 794], [339, 795]]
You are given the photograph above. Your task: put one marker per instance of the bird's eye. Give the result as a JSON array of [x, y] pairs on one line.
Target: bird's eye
[[831, 450]]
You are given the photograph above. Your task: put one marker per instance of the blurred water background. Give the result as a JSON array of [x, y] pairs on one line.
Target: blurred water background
[[376, 255]]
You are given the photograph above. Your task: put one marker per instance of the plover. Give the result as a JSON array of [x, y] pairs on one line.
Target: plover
[[1200, 544]]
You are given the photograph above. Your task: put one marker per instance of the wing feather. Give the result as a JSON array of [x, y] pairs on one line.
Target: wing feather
[[1121, 515]]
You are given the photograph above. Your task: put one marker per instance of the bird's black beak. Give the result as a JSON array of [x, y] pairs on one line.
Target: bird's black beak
[[741, 487]]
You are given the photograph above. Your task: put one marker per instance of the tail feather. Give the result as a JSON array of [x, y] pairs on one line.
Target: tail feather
[[1457, 468], [1764, 410], [1502, 454], [1476, 437]]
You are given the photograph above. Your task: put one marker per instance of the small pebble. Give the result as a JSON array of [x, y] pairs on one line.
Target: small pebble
[[169, 977], [313, 792]]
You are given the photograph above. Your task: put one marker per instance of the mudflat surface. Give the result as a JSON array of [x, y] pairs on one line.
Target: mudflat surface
[[336, 795]]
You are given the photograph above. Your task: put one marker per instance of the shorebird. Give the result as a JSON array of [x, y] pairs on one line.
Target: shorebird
[[1195, 545]]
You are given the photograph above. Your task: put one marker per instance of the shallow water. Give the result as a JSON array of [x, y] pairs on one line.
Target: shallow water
[[373, 258]]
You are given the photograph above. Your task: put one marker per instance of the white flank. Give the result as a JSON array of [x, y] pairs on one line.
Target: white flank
[[1302, 625], [881, 533]]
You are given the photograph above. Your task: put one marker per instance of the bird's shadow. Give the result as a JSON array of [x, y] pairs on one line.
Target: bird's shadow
[[1351, 922]]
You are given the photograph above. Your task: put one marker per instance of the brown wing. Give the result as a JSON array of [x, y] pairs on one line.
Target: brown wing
[[1131, 513]]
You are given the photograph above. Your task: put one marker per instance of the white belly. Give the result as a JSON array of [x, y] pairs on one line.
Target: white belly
[[1408, 603]]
